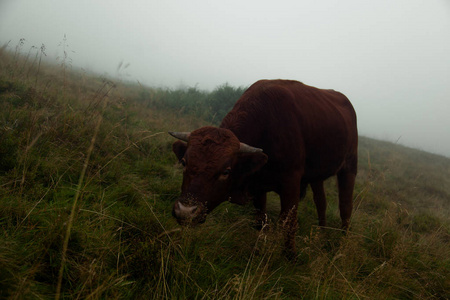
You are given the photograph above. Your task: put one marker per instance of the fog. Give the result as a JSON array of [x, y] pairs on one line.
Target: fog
[[391, 58]]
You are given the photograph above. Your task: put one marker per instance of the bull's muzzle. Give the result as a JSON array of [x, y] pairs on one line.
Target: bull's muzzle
[[186, 215], [184, 212]]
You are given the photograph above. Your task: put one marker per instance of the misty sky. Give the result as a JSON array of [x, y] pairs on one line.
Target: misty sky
[[391, 58]]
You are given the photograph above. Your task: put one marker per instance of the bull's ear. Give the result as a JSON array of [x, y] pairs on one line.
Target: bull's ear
[[179, 148], [249, 163]]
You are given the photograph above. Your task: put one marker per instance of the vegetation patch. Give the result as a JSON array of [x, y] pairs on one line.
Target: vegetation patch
[[88, 161]]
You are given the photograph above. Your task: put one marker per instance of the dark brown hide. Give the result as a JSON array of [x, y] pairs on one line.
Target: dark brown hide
[[308, 134]]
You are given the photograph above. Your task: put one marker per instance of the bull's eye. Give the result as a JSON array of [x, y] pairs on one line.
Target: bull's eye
[[225, 173]]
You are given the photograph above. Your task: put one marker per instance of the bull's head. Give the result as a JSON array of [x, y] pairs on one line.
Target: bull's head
[[216, 167]]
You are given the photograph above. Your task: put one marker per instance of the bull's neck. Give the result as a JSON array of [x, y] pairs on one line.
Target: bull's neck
[[247, 131]]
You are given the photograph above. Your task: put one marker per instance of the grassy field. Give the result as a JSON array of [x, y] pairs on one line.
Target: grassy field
[[88, 179]]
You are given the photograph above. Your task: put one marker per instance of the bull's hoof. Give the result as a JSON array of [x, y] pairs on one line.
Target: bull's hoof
[[290, 254], [261, 222], [261, 225], [258, 226], [345, 227]]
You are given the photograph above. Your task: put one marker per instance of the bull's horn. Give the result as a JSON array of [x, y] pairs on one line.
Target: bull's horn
[[249, 149], [184, 136]]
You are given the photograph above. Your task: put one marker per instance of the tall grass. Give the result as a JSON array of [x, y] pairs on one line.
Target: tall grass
[[95, 214]]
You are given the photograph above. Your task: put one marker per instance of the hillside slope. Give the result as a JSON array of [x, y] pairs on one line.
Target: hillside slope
[[88, 179]]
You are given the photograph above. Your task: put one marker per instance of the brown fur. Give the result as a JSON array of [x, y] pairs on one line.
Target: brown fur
[[307, 134]]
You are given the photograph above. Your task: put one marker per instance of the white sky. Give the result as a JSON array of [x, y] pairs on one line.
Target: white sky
[[390, 57]]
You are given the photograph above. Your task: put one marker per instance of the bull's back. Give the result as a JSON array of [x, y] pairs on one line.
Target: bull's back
[[297, 125]]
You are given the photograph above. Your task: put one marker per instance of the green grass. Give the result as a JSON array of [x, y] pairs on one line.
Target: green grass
[[124, 243]]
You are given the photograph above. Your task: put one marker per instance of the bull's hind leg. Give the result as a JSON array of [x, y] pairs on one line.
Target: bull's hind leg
[[321, 201], [346, 183]]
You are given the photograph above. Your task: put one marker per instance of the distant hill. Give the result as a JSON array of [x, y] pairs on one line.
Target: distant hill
[[88, 179]]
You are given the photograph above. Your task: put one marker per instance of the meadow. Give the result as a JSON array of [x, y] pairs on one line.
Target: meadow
[[88, 180]]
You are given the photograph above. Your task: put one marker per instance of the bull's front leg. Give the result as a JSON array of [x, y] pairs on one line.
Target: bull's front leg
[[259, 202], [290, 197]]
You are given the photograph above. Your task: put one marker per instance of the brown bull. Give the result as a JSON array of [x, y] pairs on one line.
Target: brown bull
[[299, 135]]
